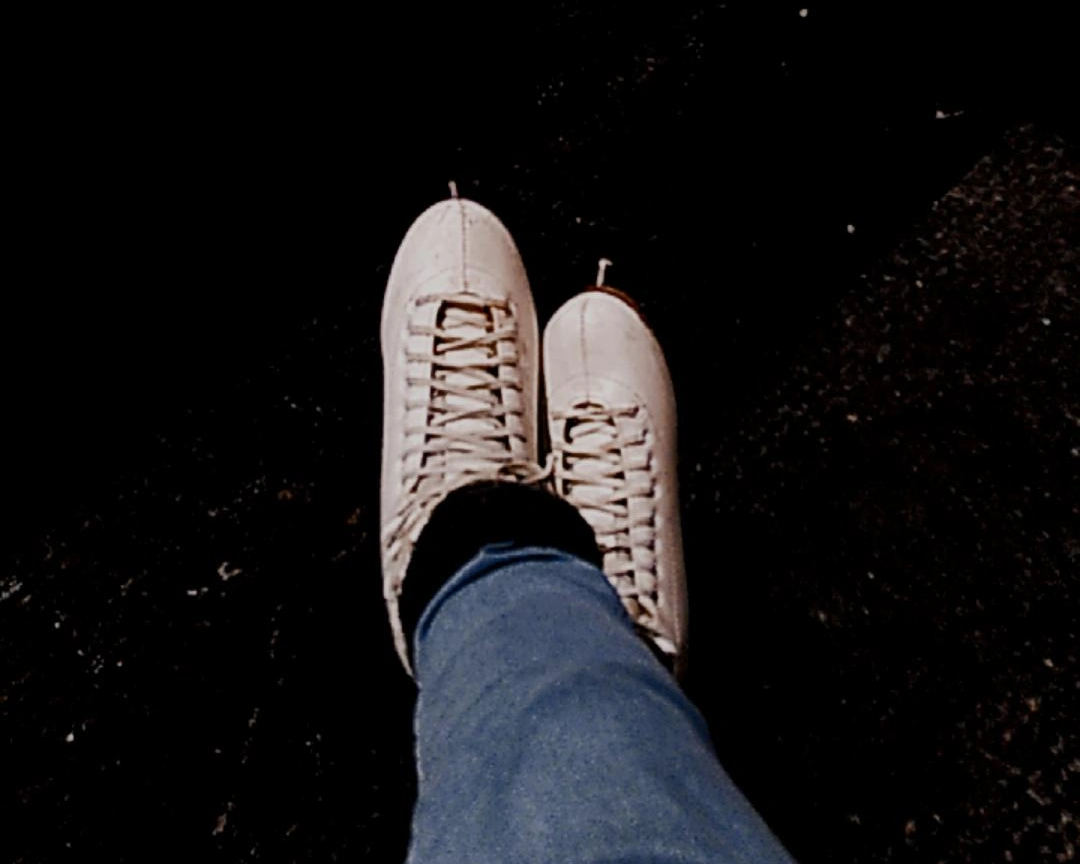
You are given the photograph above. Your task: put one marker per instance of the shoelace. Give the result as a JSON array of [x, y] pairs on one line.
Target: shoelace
[[596, 474], [468, 433]]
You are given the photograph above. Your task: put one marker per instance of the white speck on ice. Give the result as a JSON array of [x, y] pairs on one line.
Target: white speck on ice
[[850, 229], [56, 625], [940, 115], [803, 13], [852, 418], [193, 592], [869, 574], [1041, 800], [70, 737], [1046, 322], [1048, 663], [13, 588]]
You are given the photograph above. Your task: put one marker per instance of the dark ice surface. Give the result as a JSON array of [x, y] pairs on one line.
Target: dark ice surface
[[856, 234]]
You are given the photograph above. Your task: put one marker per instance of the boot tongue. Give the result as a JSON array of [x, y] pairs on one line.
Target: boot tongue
[[464, 322], [597, 434]]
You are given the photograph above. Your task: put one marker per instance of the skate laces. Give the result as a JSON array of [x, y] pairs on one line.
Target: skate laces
[[475, 426], [603, 466]]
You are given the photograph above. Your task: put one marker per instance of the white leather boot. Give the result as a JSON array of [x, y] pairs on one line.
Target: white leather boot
[[611, 417], [460, 365]]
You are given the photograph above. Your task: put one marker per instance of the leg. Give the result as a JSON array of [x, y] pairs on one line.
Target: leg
[[547, 731]]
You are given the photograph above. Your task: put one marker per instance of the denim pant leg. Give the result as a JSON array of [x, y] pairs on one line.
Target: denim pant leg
[[548, 732]]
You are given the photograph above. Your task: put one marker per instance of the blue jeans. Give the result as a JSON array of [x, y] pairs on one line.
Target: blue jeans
[[548, 732]]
